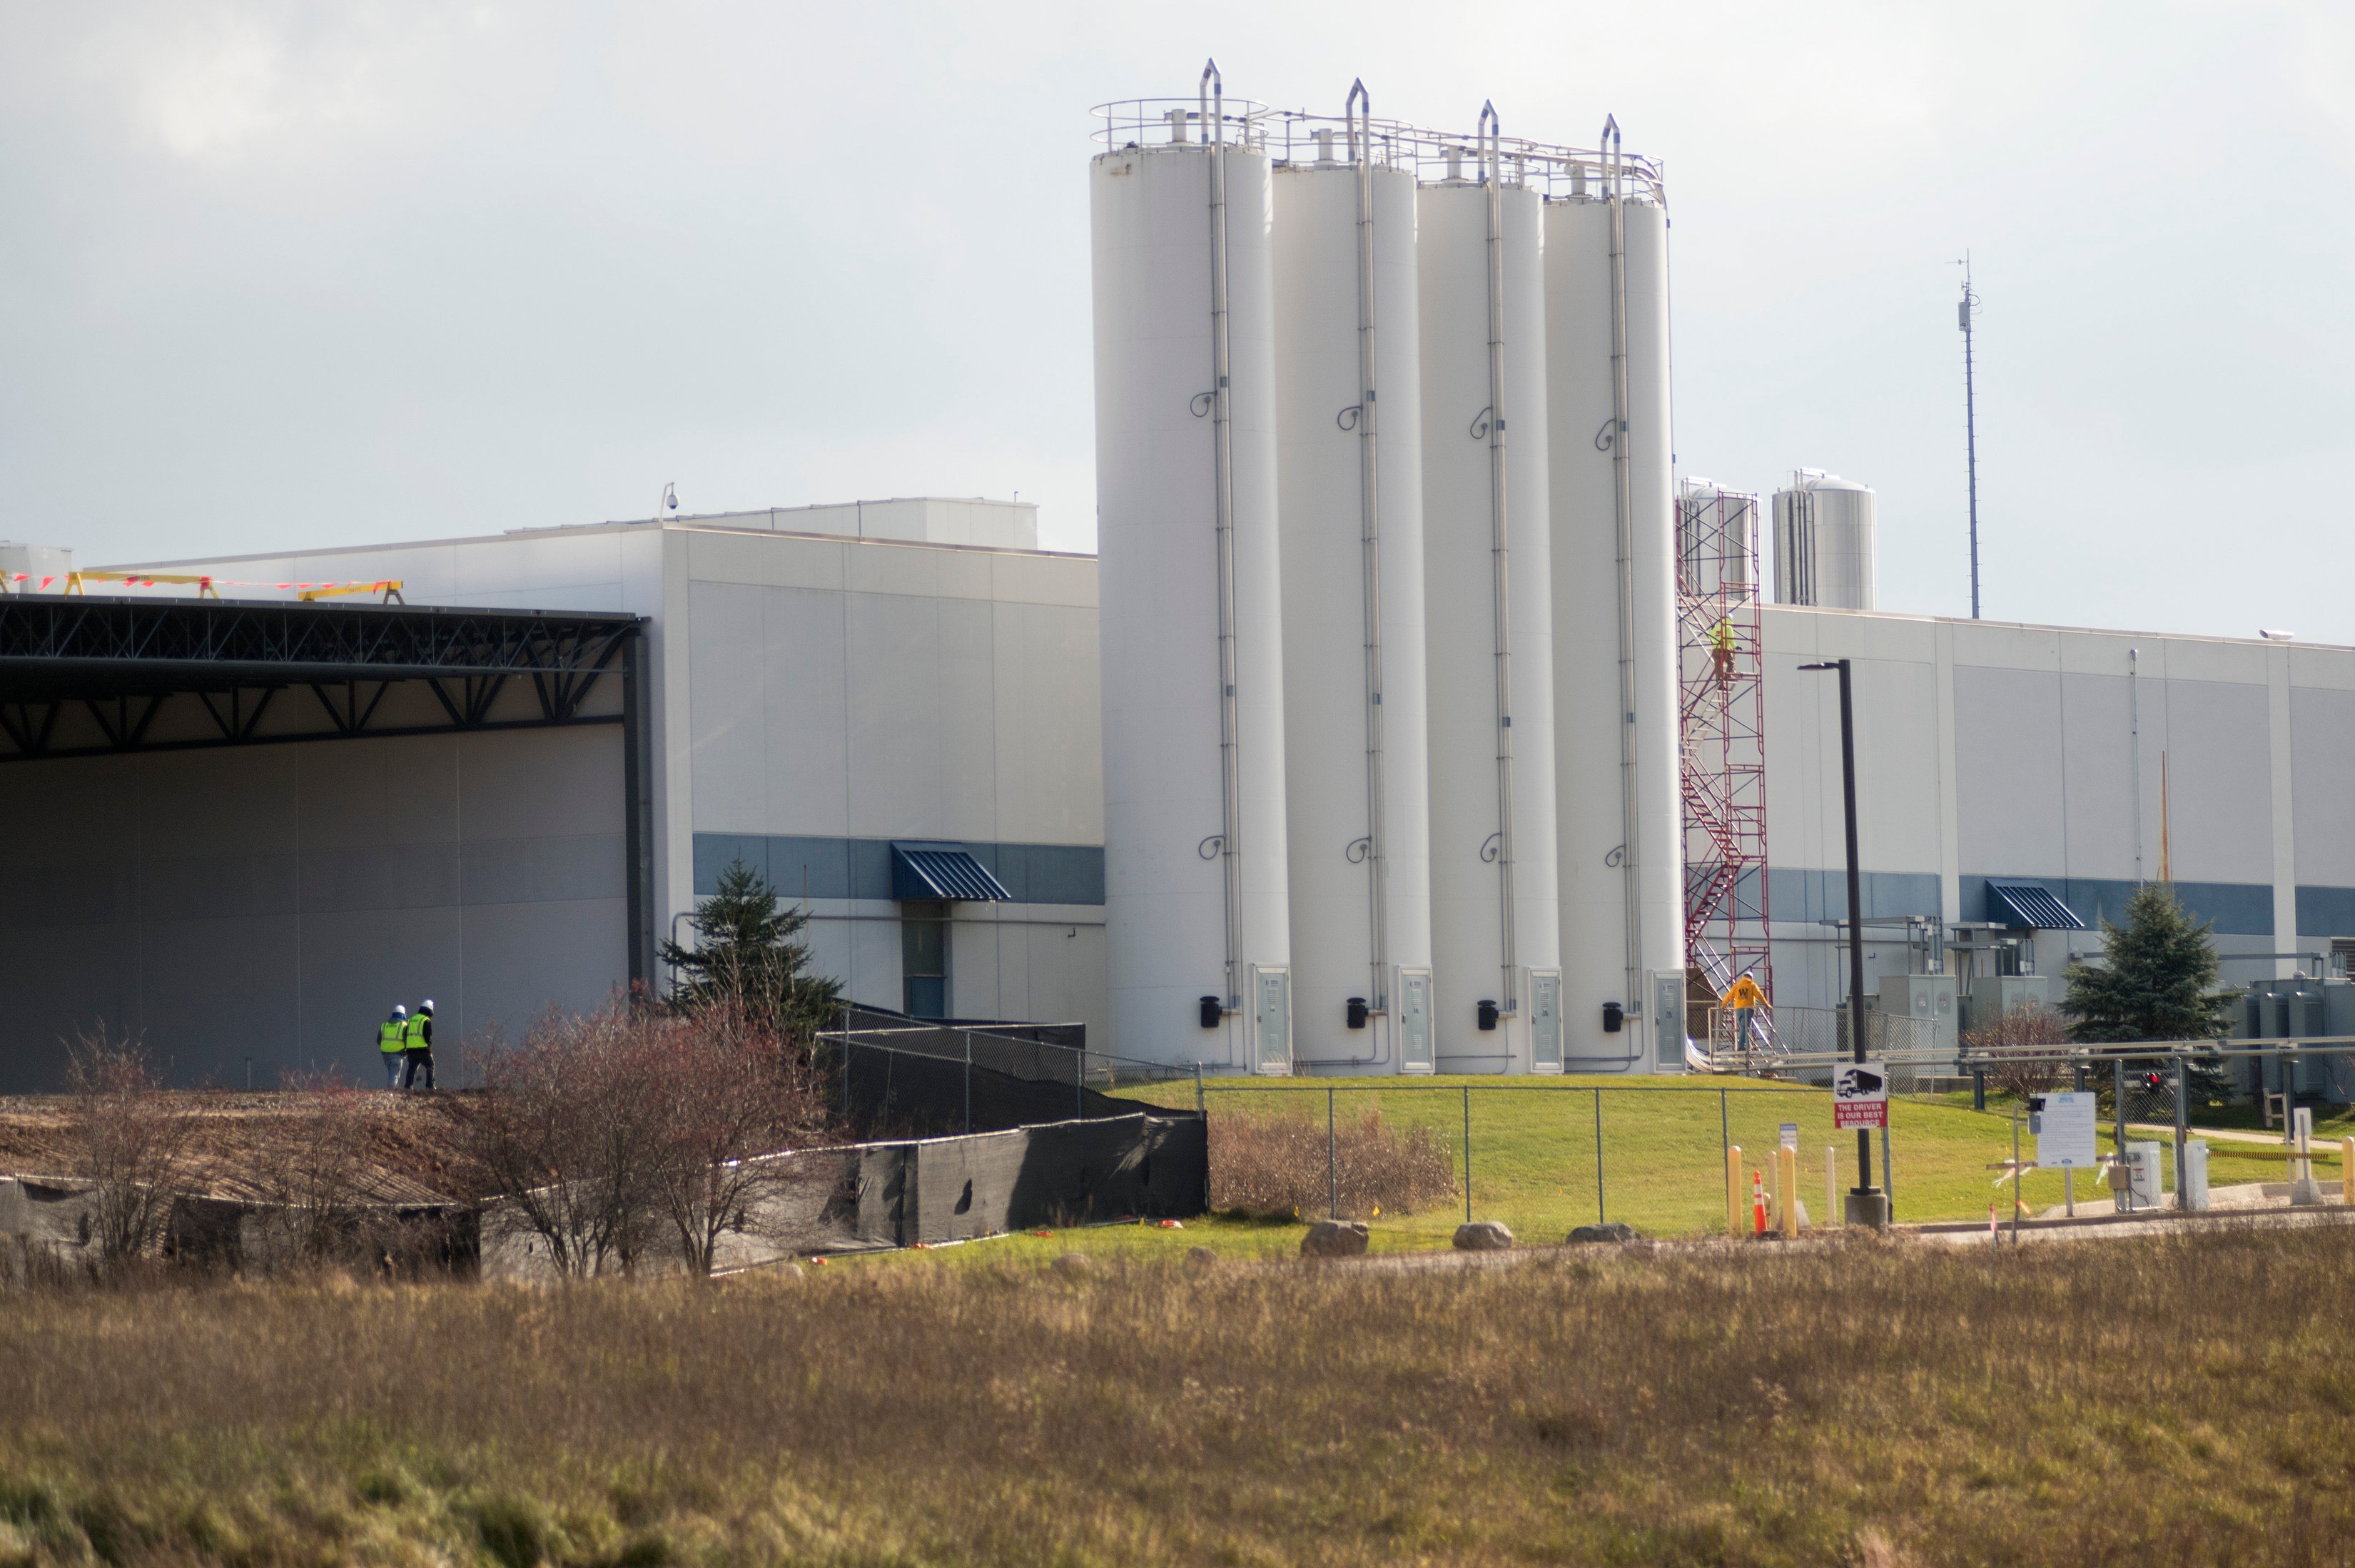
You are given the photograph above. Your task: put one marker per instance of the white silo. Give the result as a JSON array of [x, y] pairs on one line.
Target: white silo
[[1350, 467], [1487, 582], [1189, 586], [1621, 822], [1717, 538], [1824, 542]]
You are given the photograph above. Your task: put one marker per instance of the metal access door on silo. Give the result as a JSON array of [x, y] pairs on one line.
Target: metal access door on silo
[[1415, 1021], [1272, 1020], [1545, 1021]]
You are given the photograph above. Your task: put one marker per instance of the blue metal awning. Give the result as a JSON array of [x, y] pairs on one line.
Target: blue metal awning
[[2028, 904], [940, 870]]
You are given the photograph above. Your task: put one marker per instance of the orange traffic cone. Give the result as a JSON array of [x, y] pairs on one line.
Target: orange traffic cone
[[1758, 1202]]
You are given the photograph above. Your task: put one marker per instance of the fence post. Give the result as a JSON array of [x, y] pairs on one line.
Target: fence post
[[2182, 1122], [1887, 1176], [1979, 1088], [1199, 1108], [846, 1061], [1332, 1178], [1598, 1151], [1724, 1135], [2118, 1107], [1468, 1154], [1831, 1185], [1080, 1088], [968, 1082]]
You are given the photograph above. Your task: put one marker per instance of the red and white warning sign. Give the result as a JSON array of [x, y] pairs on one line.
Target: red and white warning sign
[[1859, 1095]]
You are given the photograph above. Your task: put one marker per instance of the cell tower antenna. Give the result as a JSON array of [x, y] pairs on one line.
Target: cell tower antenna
[[1965, 315]]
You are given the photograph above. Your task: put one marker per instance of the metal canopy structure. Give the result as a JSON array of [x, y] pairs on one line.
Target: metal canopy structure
[[2024, 905], [938, 871], [87, 677]]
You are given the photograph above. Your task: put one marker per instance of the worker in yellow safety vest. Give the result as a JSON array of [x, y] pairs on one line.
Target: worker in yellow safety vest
[[392, 1043], [1721, 646], [417, 1044]]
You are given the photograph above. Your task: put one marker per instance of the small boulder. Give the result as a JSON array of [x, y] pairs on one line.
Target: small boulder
[[1072, 1263], [1483, 1236], [1200, 1257], [1335, 1239], [1616, 1230]]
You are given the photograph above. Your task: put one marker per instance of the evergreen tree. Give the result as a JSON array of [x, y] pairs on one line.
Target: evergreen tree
[[749, 954], [2154, 980]]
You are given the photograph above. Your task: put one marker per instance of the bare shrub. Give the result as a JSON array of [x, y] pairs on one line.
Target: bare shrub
[[605, 1131], [2026, 1044], [131, 1139], [724, 1085], [317, 1166], [1273, 1167], [563, 1134]]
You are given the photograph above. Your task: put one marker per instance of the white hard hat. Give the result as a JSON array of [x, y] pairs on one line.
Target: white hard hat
[[398, 1011], [426, 1006]]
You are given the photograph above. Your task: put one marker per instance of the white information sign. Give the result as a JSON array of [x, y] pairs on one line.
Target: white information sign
[[2066, 1132], [1790, 1131], [1859, 1094]]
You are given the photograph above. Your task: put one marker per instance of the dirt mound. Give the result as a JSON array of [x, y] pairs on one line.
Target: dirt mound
[[409, 1142]]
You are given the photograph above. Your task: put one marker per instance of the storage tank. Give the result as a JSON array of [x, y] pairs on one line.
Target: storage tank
[[1717, 538], [1620, 819], [1823, 542], [1189, 586], [1487, 589], [1350, 500]]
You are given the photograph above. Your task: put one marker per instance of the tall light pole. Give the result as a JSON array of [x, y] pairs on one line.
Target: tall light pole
[[1964, 314], [1866, 1204]]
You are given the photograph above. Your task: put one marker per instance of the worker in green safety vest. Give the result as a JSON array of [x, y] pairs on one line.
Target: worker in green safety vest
[[391, 1042], [417, 1045]]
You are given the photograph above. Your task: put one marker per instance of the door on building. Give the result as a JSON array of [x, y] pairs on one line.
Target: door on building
[[1545, 1021], [1415, 1021], [1272, 1021], [1668, 1019], [924, 961]]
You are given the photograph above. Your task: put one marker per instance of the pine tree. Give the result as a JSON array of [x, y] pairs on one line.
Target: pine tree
[[750, 953], [2154, 980]]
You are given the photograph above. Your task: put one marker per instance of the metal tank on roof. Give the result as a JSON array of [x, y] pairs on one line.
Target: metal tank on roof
[[1349, 463], [1189, 585], [1717, 537], [1489, 623], [1824, 542], [1614, 625]]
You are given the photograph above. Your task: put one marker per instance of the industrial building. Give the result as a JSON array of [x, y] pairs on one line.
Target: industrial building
[[1414, 717]]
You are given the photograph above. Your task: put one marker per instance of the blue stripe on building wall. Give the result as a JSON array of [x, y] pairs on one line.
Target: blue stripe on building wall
[[861, 868], [2236, 908]]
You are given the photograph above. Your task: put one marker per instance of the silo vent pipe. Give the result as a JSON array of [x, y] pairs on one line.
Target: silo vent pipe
[[1213, 94], [1499, 551]]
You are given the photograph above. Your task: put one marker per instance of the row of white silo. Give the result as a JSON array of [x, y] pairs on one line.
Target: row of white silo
[[1387, 608]]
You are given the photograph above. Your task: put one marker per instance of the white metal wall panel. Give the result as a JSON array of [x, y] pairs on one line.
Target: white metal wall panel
[[2322, 723], [2008, 779], [1049, 701], [806, 732], [2219, 782], [2098, 778]]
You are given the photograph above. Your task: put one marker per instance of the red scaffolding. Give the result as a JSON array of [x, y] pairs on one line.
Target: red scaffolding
[[1721, 712]]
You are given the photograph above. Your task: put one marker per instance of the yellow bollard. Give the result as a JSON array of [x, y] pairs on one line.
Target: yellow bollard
[[2346, 1171], [1733, 1192], [1786, 1175]]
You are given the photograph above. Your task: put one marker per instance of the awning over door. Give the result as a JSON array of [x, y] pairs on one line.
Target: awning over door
[[2028, 904], [941, 870]]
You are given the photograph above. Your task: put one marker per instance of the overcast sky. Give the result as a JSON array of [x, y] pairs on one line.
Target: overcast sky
[[286, 275]]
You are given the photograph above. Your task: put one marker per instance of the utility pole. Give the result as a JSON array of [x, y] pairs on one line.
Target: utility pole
[[1963, 312]]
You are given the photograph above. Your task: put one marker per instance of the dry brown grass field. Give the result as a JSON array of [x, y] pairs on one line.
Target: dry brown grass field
[[2186, 1400]]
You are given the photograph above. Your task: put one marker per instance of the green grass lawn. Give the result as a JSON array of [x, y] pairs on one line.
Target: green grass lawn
[[1533, 1158]]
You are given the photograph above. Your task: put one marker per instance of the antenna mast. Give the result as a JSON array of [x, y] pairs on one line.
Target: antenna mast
[[1963, 312]]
